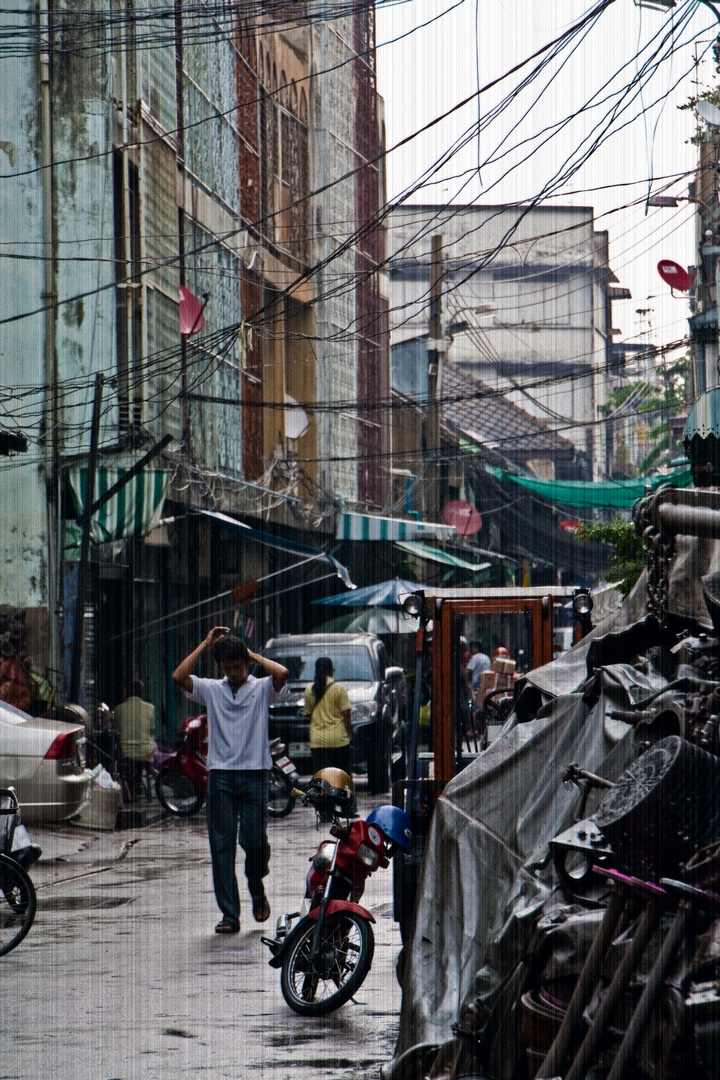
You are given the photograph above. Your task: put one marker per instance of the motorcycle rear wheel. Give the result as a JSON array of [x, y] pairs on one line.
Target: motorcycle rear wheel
[[280, 796], [177, 793], [346, 952], [17, 904]]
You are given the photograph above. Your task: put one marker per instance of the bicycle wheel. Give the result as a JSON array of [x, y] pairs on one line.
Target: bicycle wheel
[[280, 797], [177, 793], [314, 988], [17, 904]]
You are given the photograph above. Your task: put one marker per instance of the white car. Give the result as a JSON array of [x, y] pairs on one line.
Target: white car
[[41, 759]]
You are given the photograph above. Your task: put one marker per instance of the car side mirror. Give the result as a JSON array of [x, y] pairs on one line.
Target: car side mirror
[[394, 674]]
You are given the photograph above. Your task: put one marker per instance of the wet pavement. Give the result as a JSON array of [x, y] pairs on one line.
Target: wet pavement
[[122, 977]]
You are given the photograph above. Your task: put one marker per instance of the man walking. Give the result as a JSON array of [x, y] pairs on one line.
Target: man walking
[[238, 765]]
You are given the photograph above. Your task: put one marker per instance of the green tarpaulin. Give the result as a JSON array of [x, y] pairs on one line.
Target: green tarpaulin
[[600, 493]]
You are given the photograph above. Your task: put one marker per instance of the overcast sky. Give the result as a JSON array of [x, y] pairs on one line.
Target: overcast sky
[[432, 68]]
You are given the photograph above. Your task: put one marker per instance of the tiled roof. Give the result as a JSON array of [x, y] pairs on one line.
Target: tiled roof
[[486, 416]]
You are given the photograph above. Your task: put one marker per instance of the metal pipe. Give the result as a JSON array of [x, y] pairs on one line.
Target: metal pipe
[[632, 956], [651, 993], [689, 521], [557, 1055], [690, 900]]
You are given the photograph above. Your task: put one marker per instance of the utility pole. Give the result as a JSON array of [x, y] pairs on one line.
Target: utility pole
[[83, 583], [435, 351]]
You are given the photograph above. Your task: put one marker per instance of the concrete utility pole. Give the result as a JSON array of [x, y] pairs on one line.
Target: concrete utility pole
[[435, 351]]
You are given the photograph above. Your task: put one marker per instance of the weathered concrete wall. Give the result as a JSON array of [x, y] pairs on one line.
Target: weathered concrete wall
[[23, 579]]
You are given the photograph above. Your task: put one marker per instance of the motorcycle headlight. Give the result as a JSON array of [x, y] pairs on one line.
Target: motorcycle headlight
[[323, 857], [363, 710], [368, 856]]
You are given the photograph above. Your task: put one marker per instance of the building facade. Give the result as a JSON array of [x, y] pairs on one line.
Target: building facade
[[238, 161], [526, 309]]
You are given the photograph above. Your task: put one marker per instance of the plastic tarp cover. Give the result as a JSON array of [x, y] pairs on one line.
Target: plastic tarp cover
[[605, 493], [486, 873]]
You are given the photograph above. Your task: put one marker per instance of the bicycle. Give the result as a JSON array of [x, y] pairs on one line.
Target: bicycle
[[18, 901]]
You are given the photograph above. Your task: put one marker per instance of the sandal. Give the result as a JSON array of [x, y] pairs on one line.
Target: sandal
[[227, 926], [261, 908]]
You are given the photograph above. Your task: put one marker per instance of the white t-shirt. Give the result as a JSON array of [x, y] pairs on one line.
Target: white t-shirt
[[237, 723]]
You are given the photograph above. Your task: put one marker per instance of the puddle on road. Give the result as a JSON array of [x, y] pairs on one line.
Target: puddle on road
[[296, 1038], [317, 1063], [82, 903]]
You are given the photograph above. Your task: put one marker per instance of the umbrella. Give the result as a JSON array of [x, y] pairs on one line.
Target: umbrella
[[372, 620], [385, 594]]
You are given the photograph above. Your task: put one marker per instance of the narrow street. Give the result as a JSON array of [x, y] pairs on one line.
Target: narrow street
[[122, 976]]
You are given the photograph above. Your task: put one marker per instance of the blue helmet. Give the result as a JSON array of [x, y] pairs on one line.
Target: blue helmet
[[394, 823]]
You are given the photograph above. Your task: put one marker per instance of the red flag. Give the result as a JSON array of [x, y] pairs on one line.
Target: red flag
[[192, 319]]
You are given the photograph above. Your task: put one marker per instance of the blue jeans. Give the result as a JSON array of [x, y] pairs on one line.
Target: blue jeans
[[237, 813]]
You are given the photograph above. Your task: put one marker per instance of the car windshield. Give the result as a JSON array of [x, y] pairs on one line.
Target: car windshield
[[351, 664]]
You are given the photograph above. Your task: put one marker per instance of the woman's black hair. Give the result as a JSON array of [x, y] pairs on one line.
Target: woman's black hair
[[230, 647], [323, 668]]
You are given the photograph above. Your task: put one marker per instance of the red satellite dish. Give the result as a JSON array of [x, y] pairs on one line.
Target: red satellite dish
[[192, 319], [673, 275], [463, 516]]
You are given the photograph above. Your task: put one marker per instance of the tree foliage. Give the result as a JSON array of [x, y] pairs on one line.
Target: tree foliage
[[660, 400], [627, 561]]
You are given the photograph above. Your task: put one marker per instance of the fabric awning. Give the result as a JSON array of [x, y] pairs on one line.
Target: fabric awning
[[352, 526], [704, 416], [281, 543], [424, 551], [600, 493], [133, 511]]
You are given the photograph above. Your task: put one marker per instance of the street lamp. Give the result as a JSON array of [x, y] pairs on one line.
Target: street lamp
[[672, 200], [666, 5]]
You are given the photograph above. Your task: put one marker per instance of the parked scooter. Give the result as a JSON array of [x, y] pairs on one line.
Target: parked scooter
[[17, 893], [182, 773], [326, 956]]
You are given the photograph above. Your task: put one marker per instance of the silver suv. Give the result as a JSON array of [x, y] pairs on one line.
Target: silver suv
[[378, 694]]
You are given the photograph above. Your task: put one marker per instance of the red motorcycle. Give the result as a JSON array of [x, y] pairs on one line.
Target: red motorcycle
[[182, 774], [326, 956]]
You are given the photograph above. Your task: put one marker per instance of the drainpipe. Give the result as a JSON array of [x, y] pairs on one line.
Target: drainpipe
[[51, 435]]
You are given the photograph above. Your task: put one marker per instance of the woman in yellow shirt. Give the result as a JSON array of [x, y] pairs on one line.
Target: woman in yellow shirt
[[328, 706]]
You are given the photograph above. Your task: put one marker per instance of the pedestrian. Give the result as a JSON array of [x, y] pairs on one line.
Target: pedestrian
[[329, 708], [238, 766], [135, 722], [478, 662]]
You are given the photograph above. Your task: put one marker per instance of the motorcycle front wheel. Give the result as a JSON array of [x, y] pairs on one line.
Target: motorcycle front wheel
[[280, 796], [316, 987], [17, 904], [177, 793]]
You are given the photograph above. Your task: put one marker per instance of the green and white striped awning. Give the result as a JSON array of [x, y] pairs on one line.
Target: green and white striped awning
[[352, 526], [132, 512], [424, 551]]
